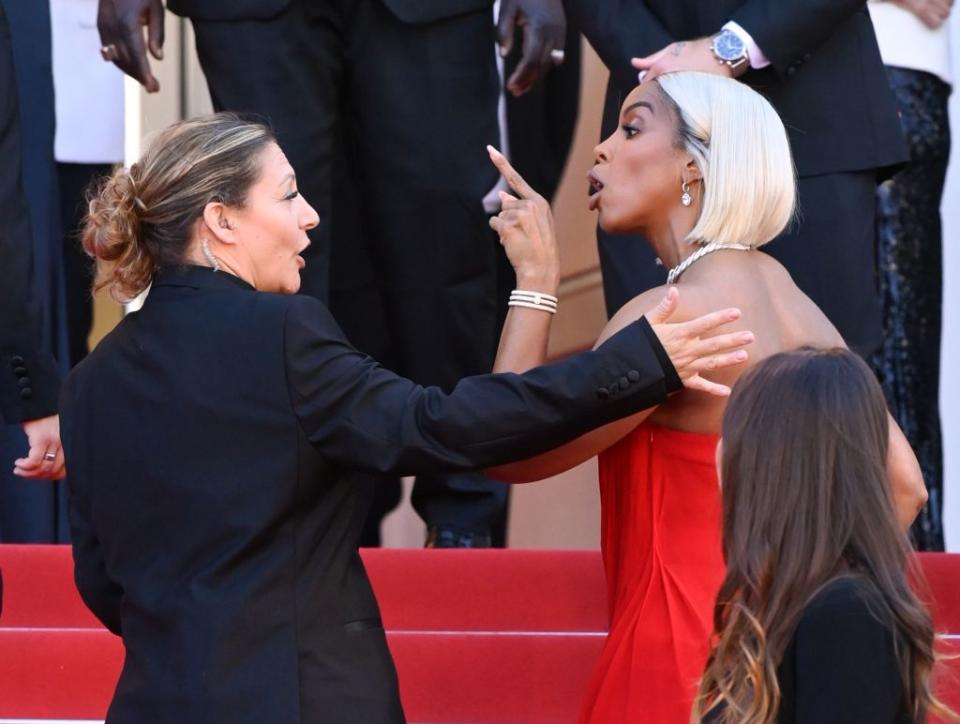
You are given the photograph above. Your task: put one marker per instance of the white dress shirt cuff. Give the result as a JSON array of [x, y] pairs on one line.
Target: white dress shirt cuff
[[757, 59]]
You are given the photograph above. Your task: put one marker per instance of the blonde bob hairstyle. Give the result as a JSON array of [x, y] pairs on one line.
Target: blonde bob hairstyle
[[738, 142]]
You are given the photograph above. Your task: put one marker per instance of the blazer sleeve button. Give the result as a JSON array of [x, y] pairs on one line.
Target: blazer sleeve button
[[16, 360], [23, 382], [603, 393], [633, 376], [20, 371], [624, 383], [26, 393]]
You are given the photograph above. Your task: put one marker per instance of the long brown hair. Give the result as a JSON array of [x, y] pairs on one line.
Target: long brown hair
[[806, 500], [142, 219]]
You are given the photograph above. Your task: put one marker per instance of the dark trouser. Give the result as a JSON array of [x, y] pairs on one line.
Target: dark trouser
[[78, 268], [909, 252], [829, 252], [386, 124]]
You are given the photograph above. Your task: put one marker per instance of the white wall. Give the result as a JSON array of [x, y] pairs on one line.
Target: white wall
[[950, 383]]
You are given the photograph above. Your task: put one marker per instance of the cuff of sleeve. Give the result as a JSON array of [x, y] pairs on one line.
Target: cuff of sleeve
[[671, 379], [757, 57]]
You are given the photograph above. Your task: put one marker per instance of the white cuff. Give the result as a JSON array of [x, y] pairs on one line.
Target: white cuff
[[757, 59]]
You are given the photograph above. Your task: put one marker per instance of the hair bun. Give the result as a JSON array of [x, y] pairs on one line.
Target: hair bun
[[114, 233]]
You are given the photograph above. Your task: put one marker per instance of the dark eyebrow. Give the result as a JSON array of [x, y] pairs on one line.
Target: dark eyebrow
[[640, 104]]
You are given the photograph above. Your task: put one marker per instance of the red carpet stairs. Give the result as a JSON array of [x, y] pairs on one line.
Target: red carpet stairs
[[478, 636]]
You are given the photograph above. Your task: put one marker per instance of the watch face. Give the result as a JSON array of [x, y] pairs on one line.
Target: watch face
[[728, 46]]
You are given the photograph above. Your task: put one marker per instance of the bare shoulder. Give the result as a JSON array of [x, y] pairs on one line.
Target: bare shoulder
[[691, 304], [632, 311]]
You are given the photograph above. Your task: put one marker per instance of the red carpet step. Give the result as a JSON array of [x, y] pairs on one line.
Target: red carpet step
[[478, 636]]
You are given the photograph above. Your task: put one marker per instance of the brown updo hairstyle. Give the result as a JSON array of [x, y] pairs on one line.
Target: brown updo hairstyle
[[142, 219]]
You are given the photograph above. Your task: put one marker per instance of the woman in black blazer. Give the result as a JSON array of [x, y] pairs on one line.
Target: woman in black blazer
[[815, 622], [209, 438]]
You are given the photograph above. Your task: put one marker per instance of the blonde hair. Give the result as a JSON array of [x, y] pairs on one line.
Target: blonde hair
[[738, 142], [142, 219]]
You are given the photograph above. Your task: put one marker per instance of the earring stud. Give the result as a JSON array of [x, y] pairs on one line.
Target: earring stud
[[685, 198]]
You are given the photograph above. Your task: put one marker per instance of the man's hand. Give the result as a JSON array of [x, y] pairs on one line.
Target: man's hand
[[933, 13], [690, 352], [120, 23], [544, 30], [685, 55], [45, 459]]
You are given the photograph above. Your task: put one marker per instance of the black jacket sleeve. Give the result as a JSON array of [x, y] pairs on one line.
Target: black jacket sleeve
[[619, 30], [362, 416], [29, 383], [845, 666], [787, 32]]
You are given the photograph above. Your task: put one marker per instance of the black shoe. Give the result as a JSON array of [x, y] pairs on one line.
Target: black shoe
[[442, 537]]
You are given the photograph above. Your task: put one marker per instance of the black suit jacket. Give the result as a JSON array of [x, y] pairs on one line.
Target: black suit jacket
[[29, 383], [409, 11], [826, 77], [214, 523]]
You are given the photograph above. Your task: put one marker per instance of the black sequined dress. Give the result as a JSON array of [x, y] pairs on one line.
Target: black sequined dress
[[909, 259]]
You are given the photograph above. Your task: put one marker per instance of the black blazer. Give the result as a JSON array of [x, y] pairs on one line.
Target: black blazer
[[826, 77], [29, 382], [209, 439], [409, 11]]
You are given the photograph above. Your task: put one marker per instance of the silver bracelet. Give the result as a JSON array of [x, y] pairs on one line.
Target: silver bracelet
[[535, 297], [531, 305]]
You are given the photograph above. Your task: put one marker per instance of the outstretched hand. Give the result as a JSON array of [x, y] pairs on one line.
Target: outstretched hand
[[525, 226], [690, 351], [121, 23], [684, 55]]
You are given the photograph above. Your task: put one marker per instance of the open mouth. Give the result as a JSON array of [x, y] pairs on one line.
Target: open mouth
[[596, 186]]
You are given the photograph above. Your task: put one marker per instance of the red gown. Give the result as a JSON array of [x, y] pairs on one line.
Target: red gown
[[661, 544]]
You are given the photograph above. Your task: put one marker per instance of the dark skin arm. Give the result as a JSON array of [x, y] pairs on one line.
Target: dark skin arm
[[121, 24]]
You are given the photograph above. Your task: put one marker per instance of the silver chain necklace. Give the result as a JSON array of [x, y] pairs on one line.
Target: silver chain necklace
[[696, 256]]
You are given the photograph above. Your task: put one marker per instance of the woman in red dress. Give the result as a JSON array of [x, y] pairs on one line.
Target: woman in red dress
[[701, 167]]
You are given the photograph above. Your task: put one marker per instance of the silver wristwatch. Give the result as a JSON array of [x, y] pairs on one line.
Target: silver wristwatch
[[728, 48]]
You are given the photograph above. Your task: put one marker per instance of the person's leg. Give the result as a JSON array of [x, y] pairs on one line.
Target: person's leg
[[830, 253], [421, 110], [909, 241], [75, 179], [286, 70]]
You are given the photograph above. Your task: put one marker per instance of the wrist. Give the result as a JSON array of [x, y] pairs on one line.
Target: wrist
[[545, 281]]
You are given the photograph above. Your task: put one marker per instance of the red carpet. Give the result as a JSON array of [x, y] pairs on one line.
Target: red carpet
[[478, 636]]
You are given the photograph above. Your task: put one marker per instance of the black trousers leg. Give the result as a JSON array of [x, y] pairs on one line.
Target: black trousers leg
[[420, 107], [909, 251], [78, 268], [831, 253], [287, 70]]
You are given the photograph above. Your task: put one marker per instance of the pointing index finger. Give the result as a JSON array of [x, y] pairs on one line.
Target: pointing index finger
[[523, 189]]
